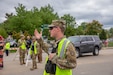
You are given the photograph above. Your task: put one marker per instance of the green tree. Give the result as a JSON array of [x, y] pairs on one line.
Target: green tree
[[70, 31], [70, 24], [70, 20], [81, 30], [111, 32], [28, 20], [103, 35], [94, 28], [3, 32]]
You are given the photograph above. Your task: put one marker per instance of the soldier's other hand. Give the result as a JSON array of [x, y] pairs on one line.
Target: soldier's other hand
[[51, 55], [37, 34]]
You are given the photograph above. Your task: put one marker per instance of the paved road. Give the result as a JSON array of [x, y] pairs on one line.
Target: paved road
[[96, 65], [87, 65]]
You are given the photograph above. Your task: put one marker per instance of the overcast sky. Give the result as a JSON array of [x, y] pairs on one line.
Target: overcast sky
[[82, 10]]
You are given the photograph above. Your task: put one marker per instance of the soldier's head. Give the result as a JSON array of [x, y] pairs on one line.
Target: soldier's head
[[28, 37], [33, 38], [57, 27], [22, 37]]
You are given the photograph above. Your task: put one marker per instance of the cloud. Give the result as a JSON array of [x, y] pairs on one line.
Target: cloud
[[82, 10]]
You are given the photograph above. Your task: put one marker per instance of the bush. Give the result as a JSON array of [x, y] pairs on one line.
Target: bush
[[110, 44], [13, 51]]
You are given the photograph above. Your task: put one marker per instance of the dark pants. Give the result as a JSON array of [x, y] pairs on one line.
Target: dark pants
[[7, 52]]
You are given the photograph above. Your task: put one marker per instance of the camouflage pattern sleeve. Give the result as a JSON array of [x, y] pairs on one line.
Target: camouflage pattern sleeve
[[38, 47], [43, 45], [69, 62], [19, 42]]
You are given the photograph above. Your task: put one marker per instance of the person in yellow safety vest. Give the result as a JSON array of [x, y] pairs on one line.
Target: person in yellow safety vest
[[64, 54], [22, 49], [7, 48], [33, 52]]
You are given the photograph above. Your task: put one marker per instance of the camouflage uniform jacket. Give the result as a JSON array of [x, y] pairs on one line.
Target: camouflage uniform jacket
[[43, 45], [69, 62], [20, 41]]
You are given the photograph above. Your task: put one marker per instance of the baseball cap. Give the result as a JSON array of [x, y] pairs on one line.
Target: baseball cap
[[22, 35], [60, 23]]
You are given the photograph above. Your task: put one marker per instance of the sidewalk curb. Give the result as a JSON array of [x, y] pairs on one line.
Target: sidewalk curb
[[107, 48]]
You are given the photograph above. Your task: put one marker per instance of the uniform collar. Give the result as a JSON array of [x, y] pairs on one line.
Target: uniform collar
[[57, 41]]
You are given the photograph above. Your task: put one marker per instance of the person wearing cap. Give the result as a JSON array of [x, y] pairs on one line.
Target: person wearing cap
[[63, 54], [22, 49], [33, 52]]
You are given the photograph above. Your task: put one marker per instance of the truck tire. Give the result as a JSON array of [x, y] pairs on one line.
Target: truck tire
[[96, 51], [78, 53]]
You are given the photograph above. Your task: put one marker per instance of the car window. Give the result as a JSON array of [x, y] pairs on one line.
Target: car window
[[74, 39], [89, 39], [97, 38], [84, 39]]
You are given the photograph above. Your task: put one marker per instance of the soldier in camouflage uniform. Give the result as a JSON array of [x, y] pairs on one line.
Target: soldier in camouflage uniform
[[22, 49], [34, 48], [65, 63], [42, 46]]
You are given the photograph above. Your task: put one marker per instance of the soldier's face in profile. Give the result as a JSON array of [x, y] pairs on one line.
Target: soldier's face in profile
[[53, 31]]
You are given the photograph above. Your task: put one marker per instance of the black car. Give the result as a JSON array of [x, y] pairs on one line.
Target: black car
[[86, 44]]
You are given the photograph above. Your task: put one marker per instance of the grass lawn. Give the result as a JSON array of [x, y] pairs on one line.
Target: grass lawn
[[110, 44], [13, 51]]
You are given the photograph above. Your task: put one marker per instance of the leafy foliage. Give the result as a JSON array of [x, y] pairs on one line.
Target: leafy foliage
[[70, 20], [3, 32], [70, 31], [111, 32], [27, 20], [103, 35], [94, 28], [81, 30]]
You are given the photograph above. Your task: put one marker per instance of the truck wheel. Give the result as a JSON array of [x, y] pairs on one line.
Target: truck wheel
[[77, 52], [96, 51]]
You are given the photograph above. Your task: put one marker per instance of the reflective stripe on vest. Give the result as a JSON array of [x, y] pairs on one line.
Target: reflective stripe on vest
[[61, 53], [7, 46], [35, 48]]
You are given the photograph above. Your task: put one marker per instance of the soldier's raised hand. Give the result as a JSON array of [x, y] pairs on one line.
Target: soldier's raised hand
[[37, 34]]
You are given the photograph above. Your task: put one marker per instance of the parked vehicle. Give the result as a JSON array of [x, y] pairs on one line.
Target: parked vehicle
[[86, 44], [13, 43]]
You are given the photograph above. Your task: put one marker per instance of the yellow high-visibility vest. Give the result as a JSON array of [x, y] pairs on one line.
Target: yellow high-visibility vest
[[58, 70], [7, 46], [23, 45], [35, 48]]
